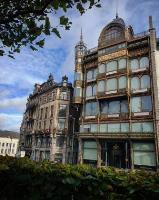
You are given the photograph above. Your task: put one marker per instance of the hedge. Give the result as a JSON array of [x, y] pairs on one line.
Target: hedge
[[23, 179]]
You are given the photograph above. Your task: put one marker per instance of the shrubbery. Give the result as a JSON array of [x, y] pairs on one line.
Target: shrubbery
[[23, 179]]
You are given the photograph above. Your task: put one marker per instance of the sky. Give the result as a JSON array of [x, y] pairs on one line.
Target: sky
[[18, 76]]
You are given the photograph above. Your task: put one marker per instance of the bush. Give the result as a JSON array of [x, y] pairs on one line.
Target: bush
[[28, 180]]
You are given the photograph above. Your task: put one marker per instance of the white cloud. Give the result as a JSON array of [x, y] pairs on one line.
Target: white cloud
[[10, 121]]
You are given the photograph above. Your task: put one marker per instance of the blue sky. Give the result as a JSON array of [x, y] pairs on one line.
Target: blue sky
[[17, 77]]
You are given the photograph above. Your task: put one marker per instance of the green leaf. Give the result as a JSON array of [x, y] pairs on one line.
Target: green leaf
[[54, 30], [47, 26], [33, 48], [41, 43]]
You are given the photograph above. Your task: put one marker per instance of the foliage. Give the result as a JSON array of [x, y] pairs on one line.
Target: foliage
[[28, 180], [22, 22]]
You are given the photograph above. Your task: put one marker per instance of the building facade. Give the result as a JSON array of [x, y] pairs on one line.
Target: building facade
[[116, 87], [48, 122], [8, 145]]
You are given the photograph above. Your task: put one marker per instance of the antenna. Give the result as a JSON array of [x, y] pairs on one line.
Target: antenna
[[81, 37], [117, 9]]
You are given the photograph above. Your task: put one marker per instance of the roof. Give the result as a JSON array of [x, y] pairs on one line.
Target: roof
[[12, 134]]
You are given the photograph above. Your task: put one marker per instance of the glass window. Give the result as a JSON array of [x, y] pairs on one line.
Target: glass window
[[147, 127], [104, 107], [144, 62], [91, 108], [86, 128], [122, 82], [94, 128], [89, 91], [111, 84], [103, 128], [114, 107], [136, 127], [78, 76], [94, 90], [89, 75], [113, 127], [61, 123], [124, 106], [134, 64], [124, 127], [146, 103], [101, 68], [136, 104], [145, 82], [111, 66], [90, 150], [122, 63], [88, 109], [135, 83], [77, 92], [101, 86], [59, 141], [62, 110], [95, 73]]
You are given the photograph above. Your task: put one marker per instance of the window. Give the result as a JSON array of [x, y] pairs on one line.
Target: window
[[62, 110], [63, 95], [52, 110], [144, 154], [91, 74], [91, 108], [141, 104], [59, 141], [46, 111], [101, 68], [114, 107], [2, 150], [122, 63], [77, 92], [111, 66], [78, 76], [2, 144], [139, 63], [103, 128], [91, 91], [122, 82], [113, 128], [142, 127], [113, 34], [61, 123], [101, 86], [90, 150], [140, 83], [111, 84], [41, 115]]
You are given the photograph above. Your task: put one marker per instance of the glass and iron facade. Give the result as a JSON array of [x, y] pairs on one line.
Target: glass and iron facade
[[116, 85]]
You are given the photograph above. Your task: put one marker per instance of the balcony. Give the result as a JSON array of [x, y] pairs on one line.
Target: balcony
[[112, 93]]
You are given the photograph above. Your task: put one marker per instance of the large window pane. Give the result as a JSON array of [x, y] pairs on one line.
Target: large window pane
[[78, 76], [144, 158], [122, 82], [134, 64], [136, 104], [111, 84], [94, 108], [89, 91], [145, 82], [124, 106], [122, 63], [136, 127], [111, 66], [144, 62], [77, 92], [103, 128], [114, 107], [135, 83], [62, 110], [124, 127], [104, 107], [147, 127], [101, 68], [113, 127], [89, 75], [101, 86], [94, 128], [61, 123], [94, 90], [146, 103], [90, 150], [88, 109], [138, 146], [95, 72]]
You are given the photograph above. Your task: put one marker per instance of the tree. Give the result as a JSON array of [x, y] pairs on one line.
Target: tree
[[27, 22]]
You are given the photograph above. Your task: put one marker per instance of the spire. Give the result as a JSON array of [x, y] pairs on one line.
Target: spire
[[116, 9], [81, 36]]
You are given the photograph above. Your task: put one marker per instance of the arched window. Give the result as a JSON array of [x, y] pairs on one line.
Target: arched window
[[101, 86], [122, 82], [135, 83], [113, 33], [144, 62], [111, 84], [122, 63], [111, 66], [101, 68], [145, 82], [134, 64]]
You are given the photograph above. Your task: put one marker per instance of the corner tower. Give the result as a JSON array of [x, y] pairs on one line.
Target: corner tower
[[80, 50]]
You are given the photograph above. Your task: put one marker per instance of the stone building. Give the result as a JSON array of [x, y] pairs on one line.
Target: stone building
[[49, 121], [116, 87]]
